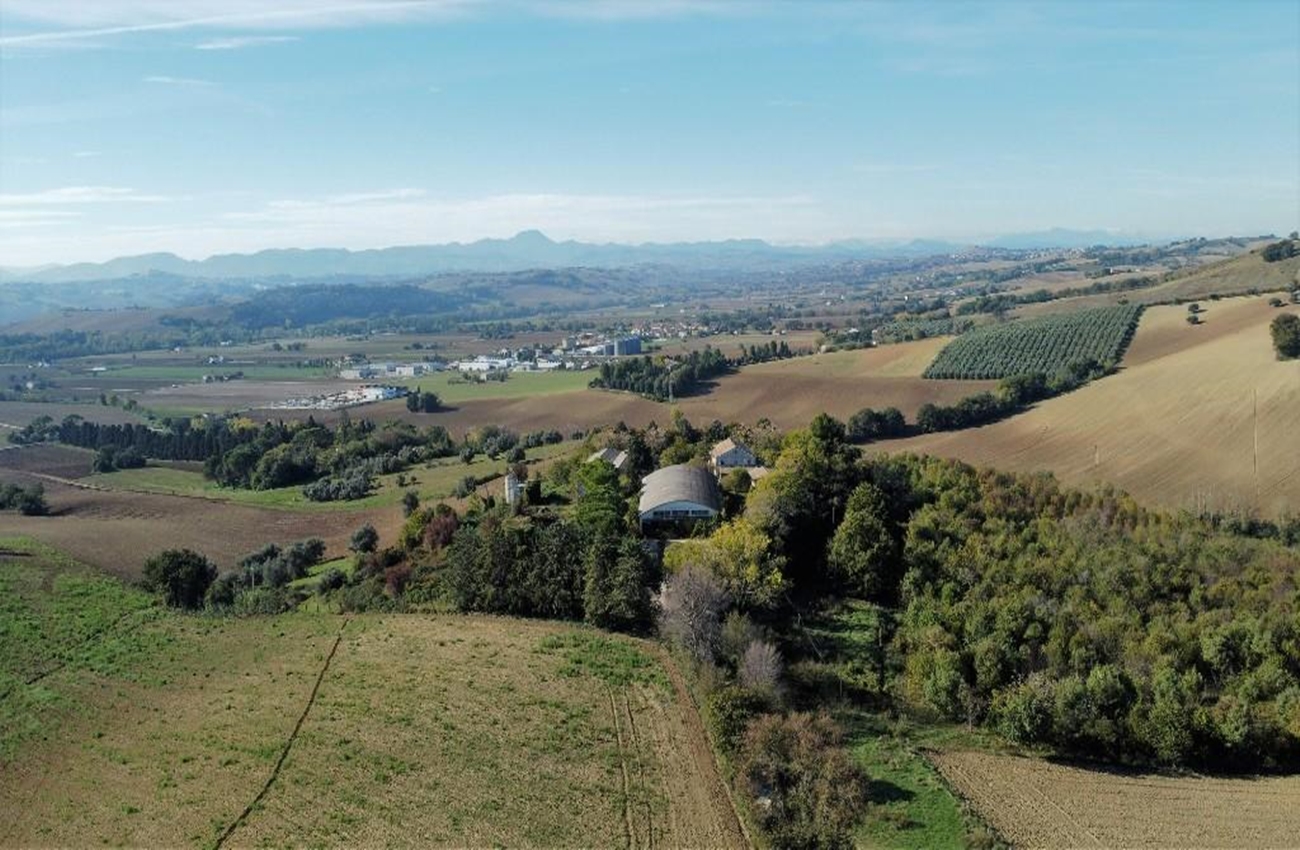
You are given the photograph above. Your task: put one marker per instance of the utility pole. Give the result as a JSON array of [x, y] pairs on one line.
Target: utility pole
[[1256, 448]]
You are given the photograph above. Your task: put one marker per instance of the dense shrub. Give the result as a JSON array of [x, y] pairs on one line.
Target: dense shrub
[[353, 485], [180, 576], [1285, 330], [805, 790], [729, 709], [867, 424], [28, 501]]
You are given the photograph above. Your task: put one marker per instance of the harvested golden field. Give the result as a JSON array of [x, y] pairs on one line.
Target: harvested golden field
[[1035, 803], [1237, 275], [789, 393], [1199, 417], [151, 728]]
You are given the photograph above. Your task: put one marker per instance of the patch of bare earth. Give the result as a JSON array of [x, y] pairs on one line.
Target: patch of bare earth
[[1036, 803]]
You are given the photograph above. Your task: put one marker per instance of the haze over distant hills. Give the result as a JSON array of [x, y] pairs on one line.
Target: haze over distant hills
[[527, 250]]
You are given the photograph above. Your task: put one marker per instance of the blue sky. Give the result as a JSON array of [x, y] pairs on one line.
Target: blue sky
[[212, 126]]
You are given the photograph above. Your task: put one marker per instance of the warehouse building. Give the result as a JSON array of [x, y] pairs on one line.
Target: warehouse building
[[677, 493]]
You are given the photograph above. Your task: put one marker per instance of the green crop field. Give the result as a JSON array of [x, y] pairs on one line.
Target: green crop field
[[452, 389], [122, 722], [1045, 344]]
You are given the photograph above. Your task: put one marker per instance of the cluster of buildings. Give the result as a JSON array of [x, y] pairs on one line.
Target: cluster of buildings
[[678, 493], [373, 371], [346, 398], [594, 345], [684, 492]]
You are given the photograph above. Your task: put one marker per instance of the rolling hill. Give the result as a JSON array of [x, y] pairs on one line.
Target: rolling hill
[[1199, 417]]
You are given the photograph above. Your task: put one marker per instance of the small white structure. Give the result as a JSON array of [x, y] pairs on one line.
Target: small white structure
[[731, 455], [514, 488], [484, 364]]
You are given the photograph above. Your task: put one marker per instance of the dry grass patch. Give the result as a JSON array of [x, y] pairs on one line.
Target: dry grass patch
[[1035, 803]]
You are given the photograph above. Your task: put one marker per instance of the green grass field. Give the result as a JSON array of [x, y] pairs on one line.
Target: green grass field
[[191, 374], [431, 483], [453, 390], [122, 722], [910, 804]]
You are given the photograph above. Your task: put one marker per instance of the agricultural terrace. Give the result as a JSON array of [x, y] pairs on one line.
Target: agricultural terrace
[[1044, 345], [125, 723]]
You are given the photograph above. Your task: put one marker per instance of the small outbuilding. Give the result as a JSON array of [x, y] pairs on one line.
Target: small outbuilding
[[730, 454], [613, 457], [677, 493]]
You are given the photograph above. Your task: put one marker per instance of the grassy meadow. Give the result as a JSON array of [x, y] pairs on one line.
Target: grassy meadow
[[124, 723], [432, 482]]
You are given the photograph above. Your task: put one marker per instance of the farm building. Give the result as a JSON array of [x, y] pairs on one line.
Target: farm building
[[611, 456], [731, 455], [677, 493]]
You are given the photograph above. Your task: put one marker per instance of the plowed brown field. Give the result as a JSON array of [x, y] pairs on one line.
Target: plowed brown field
[[116, 531], [1035, 803]]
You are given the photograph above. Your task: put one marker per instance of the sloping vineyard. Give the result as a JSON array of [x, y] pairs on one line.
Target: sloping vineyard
[[1044, 345]]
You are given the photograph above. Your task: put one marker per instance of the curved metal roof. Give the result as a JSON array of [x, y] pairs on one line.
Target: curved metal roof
[[679, 484]]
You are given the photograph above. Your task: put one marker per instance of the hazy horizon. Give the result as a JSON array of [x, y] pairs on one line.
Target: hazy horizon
[[199, 127]]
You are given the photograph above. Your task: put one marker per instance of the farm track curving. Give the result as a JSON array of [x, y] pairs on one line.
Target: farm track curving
[[288, 744]]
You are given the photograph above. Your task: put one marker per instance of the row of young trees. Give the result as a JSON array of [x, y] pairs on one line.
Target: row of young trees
[[1044, 344]]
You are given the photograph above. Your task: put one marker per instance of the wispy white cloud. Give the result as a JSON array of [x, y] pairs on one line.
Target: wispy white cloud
[[353, 198], [85, 154], [78, 20], [242, 41], [620, 10], [15, 219], [178, 81], [78, 195], [892, 167]]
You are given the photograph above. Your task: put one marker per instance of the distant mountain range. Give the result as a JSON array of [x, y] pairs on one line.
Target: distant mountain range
[[528, 250]]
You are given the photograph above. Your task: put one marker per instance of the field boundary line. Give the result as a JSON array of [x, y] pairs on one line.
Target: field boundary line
[[288, 744]]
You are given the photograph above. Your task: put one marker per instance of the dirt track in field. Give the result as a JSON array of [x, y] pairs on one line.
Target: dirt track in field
[[1036, 803]]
